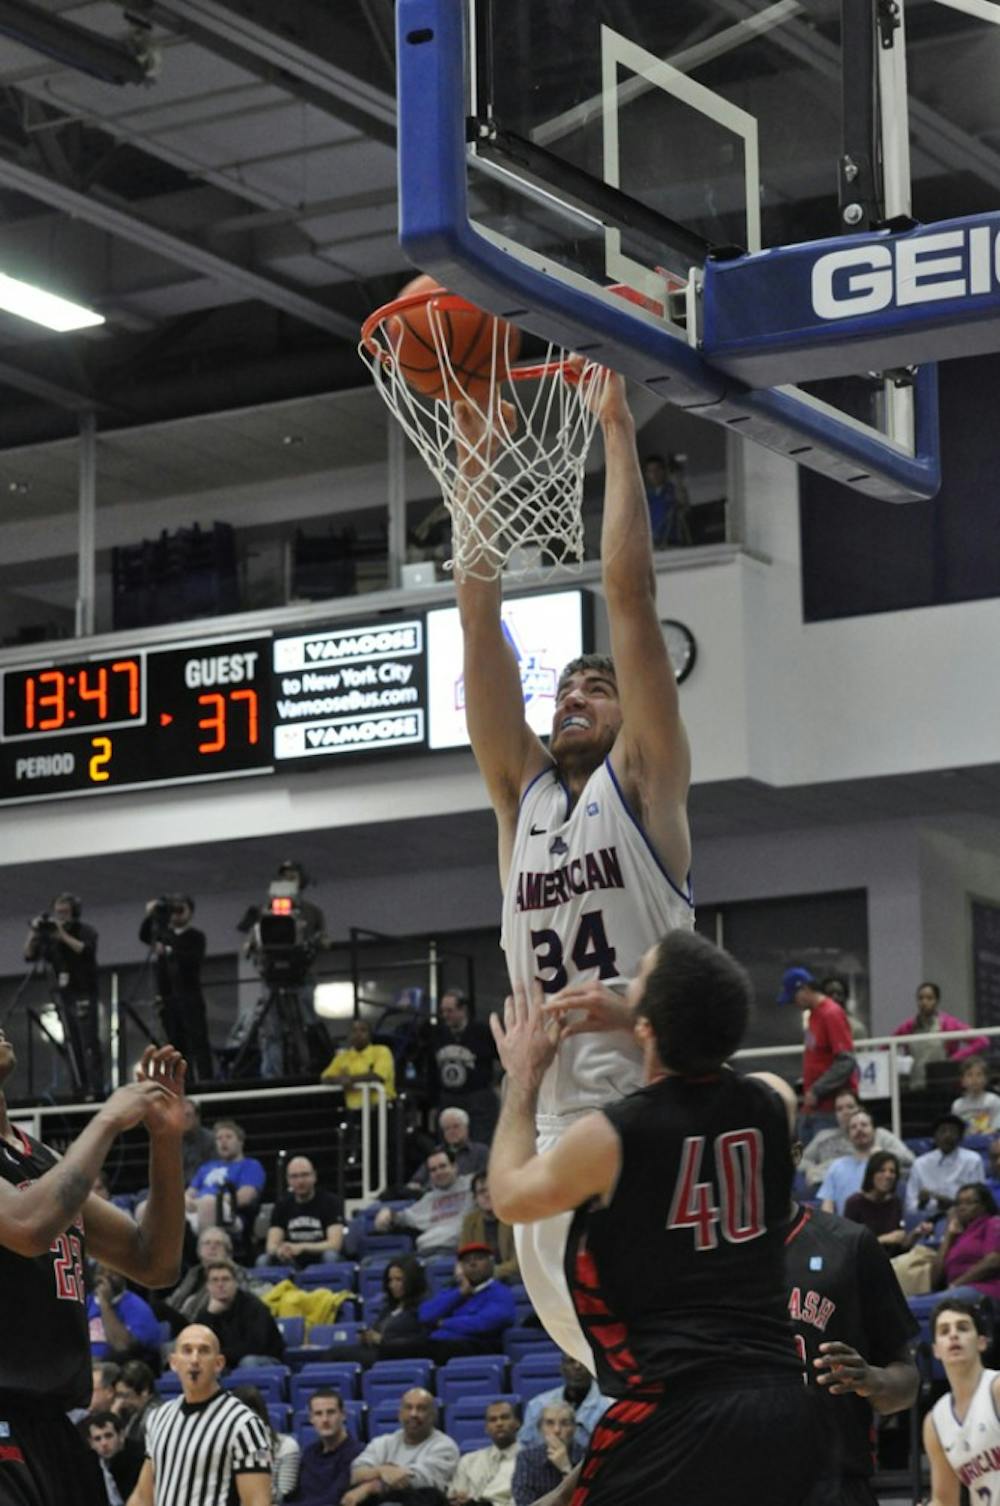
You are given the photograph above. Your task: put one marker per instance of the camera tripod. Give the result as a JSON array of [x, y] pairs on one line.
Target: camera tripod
[[281, 1006]]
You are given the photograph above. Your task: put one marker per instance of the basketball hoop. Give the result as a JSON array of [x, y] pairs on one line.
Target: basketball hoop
[[514, 480]]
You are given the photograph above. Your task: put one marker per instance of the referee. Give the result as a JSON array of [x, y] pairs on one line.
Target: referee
[[206, 1448]]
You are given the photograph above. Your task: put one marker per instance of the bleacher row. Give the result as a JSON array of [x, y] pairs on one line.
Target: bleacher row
[[463, 1387], [363, 1281]]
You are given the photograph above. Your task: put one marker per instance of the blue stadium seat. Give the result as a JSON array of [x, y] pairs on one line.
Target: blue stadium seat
[[535, 1372], [271, 1380], [343, 1376], [293, 1330], [440, 1272], [517, 1342], [168, 1384], [271, 1273], [338, 1275], [279, 1413], [919, 1144], [469, 1442], [388, 1379], [397, 1243], [466, 1413], [322, 1335], [522, 1303], [383, 1418], [473, 1375]]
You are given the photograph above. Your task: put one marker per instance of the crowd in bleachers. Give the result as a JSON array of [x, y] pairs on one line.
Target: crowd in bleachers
[[402, 1332]]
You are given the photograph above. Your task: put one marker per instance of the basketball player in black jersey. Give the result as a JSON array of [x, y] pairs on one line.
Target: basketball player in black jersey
[[50, 1221], [676, 1255], [854, 1332]]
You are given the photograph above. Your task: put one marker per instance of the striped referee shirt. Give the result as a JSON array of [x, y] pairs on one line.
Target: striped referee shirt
[[198, 1448]]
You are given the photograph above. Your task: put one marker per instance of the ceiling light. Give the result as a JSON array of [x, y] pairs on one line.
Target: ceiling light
[[33, 303]]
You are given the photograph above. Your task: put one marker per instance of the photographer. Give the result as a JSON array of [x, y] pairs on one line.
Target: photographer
[[283, 941], [68, 949], [179, 950]]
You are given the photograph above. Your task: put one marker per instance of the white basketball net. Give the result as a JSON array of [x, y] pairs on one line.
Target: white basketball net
[[514, 483]]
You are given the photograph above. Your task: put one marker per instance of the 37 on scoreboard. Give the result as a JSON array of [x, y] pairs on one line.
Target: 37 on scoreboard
[[158, 716]]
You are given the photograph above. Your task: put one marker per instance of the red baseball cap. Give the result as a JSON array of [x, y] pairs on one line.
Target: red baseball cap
[[475, 1248]]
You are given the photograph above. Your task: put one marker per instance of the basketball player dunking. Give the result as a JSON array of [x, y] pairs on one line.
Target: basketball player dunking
[[594, 844]]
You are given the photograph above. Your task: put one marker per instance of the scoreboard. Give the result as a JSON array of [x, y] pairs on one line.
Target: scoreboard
[[218, 707]]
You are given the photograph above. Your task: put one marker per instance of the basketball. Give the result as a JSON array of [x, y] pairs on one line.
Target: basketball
[[469, 336]]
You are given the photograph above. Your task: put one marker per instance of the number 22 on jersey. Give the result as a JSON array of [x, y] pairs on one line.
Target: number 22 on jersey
[[739, 1167]]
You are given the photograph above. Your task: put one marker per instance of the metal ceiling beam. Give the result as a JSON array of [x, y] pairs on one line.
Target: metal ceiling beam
[[298, 41], [48, 392], [73, 46], [186, 253], [939, 139]]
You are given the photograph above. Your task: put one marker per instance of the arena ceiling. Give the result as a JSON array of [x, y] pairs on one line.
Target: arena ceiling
[[217, 177]]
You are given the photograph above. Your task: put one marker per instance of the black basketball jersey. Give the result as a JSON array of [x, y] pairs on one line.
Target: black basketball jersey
[[841, 1287], [681, 1276], [44, 1349]]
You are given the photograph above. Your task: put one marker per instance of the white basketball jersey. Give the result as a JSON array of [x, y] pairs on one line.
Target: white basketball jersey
[[972, 1446], [585, 898]]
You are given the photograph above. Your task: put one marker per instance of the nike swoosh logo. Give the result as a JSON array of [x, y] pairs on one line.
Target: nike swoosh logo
[[539, 831]]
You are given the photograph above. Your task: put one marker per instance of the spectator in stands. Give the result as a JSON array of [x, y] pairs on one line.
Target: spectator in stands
[[979, 1109], [826, 1147], [135, 1399], [993, 1180], [930, 1019], [122, 1325], [485, 1476], [579, 1391], [361, 1061], [481, 1226], [465, 1064], [396, 1329], [879, 1207], [828, 1058], [198, 1143], [543, 1466], [104, 1374], [665, 483], [177, 949], [939, 1173], [471, 1156], [286, 1455], [437, 1216], [307, 1224], [242, 1324], [847, 1173], [968, 1260], [121, 1458], [190, 1297], [228, 1171], [470, 1317], [325, 1470], [413, 1465]]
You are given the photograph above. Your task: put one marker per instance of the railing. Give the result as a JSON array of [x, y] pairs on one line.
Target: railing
[[894, 1045], [374, 1161]]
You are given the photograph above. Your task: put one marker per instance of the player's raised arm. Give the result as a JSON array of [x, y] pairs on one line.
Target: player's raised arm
[[651, 756], [507, 751]]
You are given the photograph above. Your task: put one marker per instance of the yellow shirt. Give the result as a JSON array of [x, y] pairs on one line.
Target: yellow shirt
[[350, 1063]]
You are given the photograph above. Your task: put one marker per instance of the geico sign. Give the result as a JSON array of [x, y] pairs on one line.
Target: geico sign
[[920, 269]]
